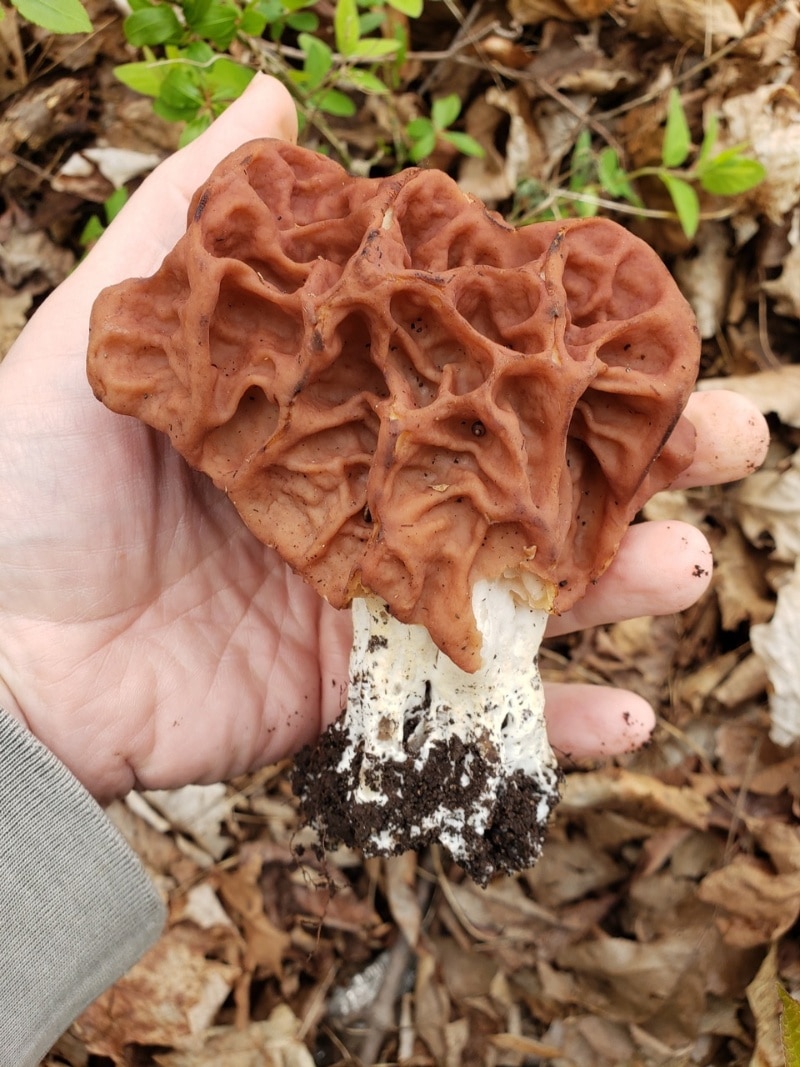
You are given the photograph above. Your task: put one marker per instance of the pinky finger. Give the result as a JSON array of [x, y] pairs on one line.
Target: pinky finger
[[588, 721]]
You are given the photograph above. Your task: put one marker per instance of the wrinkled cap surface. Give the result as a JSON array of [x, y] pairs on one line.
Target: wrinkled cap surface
[[398, 391]]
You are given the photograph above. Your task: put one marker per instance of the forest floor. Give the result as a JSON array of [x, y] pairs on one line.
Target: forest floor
[[663, 914]]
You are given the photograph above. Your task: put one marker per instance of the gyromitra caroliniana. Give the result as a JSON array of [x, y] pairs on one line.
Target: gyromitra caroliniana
[[442, 420]]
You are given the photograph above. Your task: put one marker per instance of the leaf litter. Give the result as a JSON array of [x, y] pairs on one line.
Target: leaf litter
[[660, 923]]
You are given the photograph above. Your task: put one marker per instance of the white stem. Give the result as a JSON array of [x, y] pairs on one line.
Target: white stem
[[435, 753]]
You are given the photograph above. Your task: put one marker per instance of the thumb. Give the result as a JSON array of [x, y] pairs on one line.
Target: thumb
[[155, 216]]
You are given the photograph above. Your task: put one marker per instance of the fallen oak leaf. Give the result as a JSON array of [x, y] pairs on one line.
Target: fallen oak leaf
[[619, 788]]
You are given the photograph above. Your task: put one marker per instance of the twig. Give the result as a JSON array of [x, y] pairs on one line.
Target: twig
[[622, 208]]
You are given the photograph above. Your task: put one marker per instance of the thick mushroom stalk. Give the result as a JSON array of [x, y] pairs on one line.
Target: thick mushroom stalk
[[429, 752]]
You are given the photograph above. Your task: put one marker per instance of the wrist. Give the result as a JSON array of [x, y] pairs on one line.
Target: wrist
[[10, 706]]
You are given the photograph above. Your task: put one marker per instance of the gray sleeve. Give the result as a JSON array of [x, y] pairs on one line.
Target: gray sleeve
[[76, 907]]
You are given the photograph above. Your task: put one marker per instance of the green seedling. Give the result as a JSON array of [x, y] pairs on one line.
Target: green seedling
[[424, 133], [599, 179]]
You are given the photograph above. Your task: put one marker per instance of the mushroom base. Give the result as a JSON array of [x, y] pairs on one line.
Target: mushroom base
[[327, 778]]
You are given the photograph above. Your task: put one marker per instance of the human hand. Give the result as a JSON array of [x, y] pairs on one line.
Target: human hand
[[145, 636]]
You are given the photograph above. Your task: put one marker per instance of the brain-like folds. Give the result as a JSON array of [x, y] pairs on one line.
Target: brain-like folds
[[398, 391]]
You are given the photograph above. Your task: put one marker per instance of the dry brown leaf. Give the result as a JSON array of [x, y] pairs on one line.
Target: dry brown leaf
[[776, 643], [169, 998], [466, 974], [266, 943], [768, 120], [770, 390], [526, 1046], [569, 870], [757, 904], [689, 21], [401, 893], [762, 996], [780, 841], [694, 688], [630, 981], [706, 276], [767, 505], [35, 117], [431, 1006], [33, 260], [785, 289], [617, 788], [198, 811], [531, 12], [273, 1043], [12, 57], [592, 1041], [777, 777], [739, 582], [495, 176], [747, 682]]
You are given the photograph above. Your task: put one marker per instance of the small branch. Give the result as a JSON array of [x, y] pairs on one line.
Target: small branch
[[622, 208]]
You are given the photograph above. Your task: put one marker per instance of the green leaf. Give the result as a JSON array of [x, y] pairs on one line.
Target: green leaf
[[181, 96], [581, 164], [371, 48], [217, 24], [412, 8], [709, 140], [193, 128], [227, 80], [199, 53], [677, 138], [333, 102], [365, 81], [58, 16], [586, 209], [466, 145], [155, 25], [423, 143], [790, 1028], [613, 179], [370, 21], [144, 78], [610, 174], [115, 203], [419, 128], [93, 229], [731, 177], [445, 110], [318, 60], [303, 22], [345, 26], [686, 202]]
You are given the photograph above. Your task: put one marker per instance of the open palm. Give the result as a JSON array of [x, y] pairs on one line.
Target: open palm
[[145, 636]]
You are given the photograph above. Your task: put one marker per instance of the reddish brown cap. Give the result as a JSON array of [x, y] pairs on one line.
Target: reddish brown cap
[[400, 392]]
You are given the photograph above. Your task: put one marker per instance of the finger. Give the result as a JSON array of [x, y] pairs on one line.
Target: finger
[[660, 568], [588, 721], [155, 217], [732, 438]]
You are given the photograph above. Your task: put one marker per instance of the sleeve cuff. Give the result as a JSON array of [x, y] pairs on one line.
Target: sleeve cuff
[[77, 907]]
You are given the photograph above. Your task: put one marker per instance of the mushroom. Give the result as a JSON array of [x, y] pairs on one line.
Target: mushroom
[[441, 420]]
